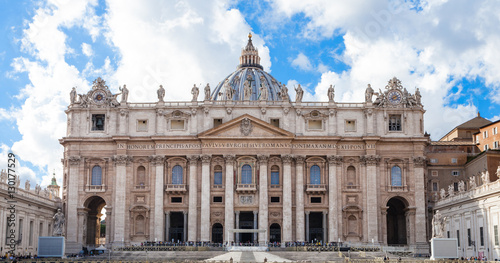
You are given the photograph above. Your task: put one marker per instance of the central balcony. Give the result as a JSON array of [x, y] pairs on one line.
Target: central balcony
[[176, 188], [246, 188], [316, 188]]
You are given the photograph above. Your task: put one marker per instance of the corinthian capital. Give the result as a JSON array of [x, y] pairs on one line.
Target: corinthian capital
[[229, 158], [193, 159], [74, 160], [286, 158], [205, 158], [419, 161], [157, 159], [370, 159], [263, 158], [121, 159], [335, 159], [299, 159]]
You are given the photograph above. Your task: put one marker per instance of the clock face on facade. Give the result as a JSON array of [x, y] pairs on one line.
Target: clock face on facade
[[99, 97], [394, 97]]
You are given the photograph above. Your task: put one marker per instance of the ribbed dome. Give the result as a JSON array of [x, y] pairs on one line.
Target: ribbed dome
[[251, 77]]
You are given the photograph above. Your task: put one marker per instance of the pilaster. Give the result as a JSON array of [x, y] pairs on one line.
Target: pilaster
[[158, 161], [371, 194], [299, 196], [72, 216], [119, 210], [193, 198], [333, 215], [287, 198], [263, 198], [420, 221], [229, 195], [205, 198]]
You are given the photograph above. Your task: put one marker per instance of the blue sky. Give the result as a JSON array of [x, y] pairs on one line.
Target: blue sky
[[448, 50]]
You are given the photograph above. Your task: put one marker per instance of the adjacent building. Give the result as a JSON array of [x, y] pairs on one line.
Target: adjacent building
[[28, 212]]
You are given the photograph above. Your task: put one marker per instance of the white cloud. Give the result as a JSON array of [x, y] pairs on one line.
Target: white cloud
[[87, 50], [444, 40], [24, 173], [302, 62]]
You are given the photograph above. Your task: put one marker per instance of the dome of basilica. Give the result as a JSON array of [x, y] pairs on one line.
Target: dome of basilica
[[250, 81]]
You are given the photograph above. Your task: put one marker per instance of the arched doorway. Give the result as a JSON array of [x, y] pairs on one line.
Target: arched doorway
[[396, 221], [217, 233], [94, 222], [275, 233]]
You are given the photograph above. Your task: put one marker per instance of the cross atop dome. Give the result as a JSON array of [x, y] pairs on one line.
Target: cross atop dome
[[250, 55]]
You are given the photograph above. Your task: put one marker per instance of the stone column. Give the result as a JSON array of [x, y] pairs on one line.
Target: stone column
[[371, 193], [287, 198], [193, 198], [418, 170], [324, 227], [205, 198], [237, 226], [108, 226], [82, 221], [255, 214], [184, 231], [299, 196], [157, 161], [120, 195], [263, 199], [307, 226], [167, 226], [229, 202], [333, 215], [410, 225], [383, 212], [71, 213]]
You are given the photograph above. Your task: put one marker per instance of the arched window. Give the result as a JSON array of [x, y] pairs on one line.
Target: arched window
[[246, 174], [139, 225], [396, 179], [96, 175], [177, 174], [275, 175], [217, 175], [351, 175], [141, 175], [315, 175]]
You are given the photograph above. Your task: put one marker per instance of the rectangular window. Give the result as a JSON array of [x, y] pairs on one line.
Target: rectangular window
[[395, 123], [177, 124], [20, 233], [455, 173], [275, 178], [477, 139], [458, 238], [495, 145], [217, 178], [350, 125], [486, 147], [469, 238], [448, 234], [434, 160], [495, 130], [495, 232], [275, 199], [453, 160], [315, 200], [455, 186], [485, 134], [98, 122], [275, 122], [315, 124], [435, 186], [217, 122], [176, 200], [40, 230], [481, 236], [142, 125], [217, 199]]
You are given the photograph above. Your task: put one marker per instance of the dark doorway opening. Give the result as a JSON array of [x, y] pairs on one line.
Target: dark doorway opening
[[396, 222], [275, 233], [315, 226], [96, 228], [246, 222], [176, 230], [217, 232]]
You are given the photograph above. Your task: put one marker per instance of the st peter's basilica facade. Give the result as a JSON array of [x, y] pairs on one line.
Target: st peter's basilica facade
[[245, 157]]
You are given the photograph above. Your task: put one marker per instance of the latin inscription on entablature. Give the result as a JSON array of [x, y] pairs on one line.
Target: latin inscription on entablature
[[219, 145]]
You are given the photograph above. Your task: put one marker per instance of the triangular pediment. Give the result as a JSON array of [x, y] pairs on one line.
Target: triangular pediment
[[246, 126]]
